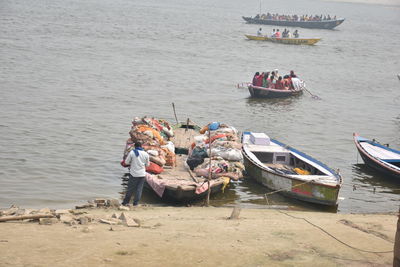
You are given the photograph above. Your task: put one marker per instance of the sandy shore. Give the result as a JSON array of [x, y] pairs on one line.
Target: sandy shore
[[197, 236]]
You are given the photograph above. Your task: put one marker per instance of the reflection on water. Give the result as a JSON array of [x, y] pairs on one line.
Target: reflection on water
[[271, 102], [80, 79], [373, 180]]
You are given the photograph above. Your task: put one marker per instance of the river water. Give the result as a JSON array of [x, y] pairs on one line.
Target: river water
[[74, 73]]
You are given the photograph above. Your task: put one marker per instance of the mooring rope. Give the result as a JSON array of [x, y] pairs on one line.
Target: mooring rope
[[337, 239]]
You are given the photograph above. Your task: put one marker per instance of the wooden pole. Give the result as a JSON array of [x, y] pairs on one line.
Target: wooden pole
[[209, 170], [24, 217], [176, 118], [187, 125]]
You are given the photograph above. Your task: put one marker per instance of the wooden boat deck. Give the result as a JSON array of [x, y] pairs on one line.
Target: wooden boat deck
[[183, 138]]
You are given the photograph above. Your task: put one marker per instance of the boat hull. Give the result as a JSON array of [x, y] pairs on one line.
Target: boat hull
[[188, 195], [374, 162], [309, 192], [293, 41], [261, 92], [326, 24]]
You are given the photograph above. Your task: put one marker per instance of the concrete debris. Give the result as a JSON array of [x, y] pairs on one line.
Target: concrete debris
[[60, 212], [100, 201], [122, 217], [128, 221], [110, 221], [123, 208], [78, 212], [44, 210], [48, 221], [65, 218], [10, 211], [86, 206], [114, 203]]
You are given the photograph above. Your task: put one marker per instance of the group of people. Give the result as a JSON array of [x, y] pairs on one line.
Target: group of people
[[277, 34], [295, 17], [275, 81]]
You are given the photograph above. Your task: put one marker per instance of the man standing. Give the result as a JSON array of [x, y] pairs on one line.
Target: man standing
[[138, 160]]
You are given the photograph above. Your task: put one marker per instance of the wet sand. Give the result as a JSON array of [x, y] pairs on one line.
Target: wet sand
[[198, 236]]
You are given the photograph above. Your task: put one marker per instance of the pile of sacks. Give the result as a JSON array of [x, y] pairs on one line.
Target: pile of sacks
[[154, 134], [226, 152]]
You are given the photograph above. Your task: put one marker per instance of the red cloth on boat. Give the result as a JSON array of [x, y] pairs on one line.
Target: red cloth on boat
[[154, 168], [158, 185]]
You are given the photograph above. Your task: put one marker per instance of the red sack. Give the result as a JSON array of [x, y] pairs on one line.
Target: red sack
[[154, 168]]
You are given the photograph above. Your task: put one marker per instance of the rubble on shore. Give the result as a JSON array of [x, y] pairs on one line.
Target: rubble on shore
[[71, 217]]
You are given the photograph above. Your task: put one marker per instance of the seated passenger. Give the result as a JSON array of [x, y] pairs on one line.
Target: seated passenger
[[259, 32], [273, 33], [277, 34], [287, 82], [259, 80], [265, 80], [255, 78], [279, 83], [296, 34]]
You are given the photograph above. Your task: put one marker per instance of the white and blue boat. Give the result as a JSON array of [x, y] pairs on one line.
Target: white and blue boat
[[377, 156], [288, 171]]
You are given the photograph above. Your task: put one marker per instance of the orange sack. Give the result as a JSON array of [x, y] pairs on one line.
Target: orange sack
[[154, 168]]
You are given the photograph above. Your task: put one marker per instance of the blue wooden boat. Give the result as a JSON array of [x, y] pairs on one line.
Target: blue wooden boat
[[377, 156], [262, 92], [288, 171], [323, 24]]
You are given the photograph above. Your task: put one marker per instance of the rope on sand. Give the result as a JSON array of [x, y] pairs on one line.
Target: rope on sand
[[340, 241]]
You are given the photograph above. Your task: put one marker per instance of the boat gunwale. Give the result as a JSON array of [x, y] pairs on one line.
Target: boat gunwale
[[285, 91], [280, 38]]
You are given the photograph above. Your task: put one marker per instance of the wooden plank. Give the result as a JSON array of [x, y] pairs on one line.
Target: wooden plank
[[25, 217], [183, 138]]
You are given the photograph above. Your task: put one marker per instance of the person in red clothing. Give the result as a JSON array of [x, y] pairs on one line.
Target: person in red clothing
[[255, 78], [279, 83], [277, 34], [259, 79]]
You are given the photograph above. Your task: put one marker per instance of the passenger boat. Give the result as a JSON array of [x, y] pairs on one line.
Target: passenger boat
[[288, 171], [377, 156], [323, 24], [262, 92], [295, 41], [178, 183]]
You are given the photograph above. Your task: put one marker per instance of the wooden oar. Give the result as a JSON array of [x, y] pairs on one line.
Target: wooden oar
[[303, 86]]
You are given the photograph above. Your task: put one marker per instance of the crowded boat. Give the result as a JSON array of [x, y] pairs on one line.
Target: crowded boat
[[273, 80], [279, 17]]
